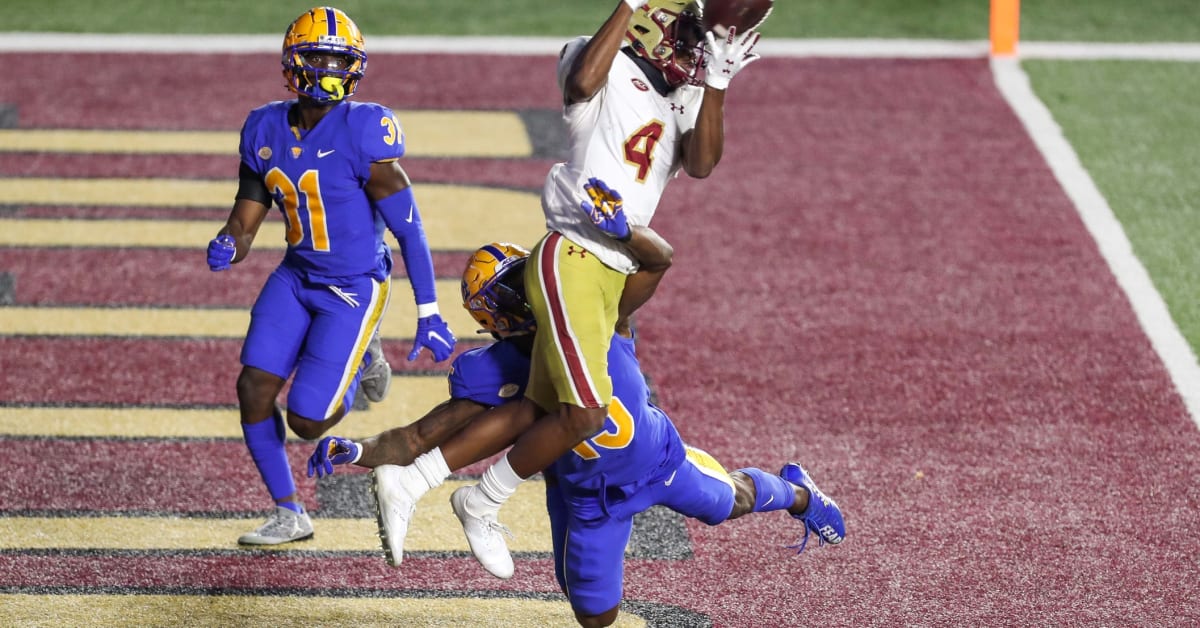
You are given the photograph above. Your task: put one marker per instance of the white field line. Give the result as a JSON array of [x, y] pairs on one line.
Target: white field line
[[882, 48], [1147, 303]]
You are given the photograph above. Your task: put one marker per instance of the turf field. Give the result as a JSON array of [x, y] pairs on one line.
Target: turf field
[[888, 279]]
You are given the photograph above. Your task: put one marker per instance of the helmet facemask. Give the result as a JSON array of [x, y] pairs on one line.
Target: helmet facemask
[[319, 34], [670, 35], [493, 290]]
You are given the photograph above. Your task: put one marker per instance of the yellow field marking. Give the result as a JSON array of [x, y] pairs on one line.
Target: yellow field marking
[[434, 528], [409, 399], [454, 216], [399, 323], [492, 134], [55, 611]]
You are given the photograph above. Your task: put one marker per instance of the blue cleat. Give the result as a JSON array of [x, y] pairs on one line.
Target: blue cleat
[[822, 517]]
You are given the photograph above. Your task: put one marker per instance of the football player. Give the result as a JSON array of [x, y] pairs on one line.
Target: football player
[[638, 109], [637, 461], [331, 166]]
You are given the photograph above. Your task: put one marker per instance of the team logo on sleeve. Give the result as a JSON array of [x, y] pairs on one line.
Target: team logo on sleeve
[[637, 82], [264, 152], [508, 390]]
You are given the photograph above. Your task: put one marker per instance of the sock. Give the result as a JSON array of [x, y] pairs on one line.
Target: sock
[[432, 466], [498, 483], [771, 492], [265, 441]]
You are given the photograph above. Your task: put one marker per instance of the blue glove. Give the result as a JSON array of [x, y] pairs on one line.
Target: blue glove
[[606, 209], [330, 451], [434, 334], [220, 252]]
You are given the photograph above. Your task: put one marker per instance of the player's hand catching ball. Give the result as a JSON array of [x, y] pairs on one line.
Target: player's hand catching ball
[[728, 56]]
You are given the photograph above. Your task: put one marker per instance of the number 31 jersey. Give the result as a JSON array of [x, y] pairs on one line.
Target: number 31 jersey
[[317, 178]]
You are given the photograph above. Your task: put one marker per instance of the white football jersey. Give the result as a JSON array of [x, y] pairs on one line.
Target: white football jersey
[[628, 135]]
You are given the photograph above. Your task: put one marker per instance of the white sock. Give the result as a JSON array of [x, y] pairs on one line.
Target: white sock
[[498, 483], [432, 467], [412, 481]]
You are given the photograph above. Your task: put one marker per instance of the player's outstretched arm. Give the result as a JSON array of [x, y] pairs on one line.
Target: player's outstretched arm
[[398, 446], [703, 145], [589, 72]]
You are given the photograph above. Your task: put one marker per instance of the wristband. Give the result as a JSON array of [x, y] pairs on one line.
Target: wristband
[[634, 5]]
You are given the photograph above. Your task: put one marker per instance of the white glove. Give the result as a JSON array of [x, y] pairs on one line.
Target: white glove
[[728, 57]]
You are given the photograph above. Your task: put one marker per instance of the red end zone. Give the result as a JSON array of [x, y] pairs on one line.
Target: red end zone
[[882, 280]]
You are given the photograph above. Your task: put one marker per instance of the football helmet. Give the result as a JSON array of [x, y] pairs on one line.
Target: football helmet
[[323, 31], [493, 289], [670, 34]]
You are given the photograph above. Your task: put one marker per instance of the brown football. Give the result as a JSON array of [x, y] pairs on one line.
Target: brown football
[[719, 15]]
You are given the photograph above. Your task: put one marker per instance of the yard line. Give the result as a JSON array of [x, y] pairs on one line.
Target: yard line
[[1147, 303], [833, 47]]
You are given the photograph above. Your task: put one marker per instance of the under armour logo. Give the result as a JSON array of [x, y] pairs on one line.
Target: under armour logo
[[728, 69], [677, 107], [571, 250]]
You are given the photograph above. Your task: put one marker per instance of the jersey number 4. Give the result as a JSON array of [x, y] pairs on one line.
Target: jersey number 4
[[618, 437], [310, 187], [639, 148]]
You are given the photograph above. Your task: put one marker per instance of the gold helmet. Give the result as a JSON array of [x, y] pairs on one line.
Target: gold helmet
[[670, 34], [320, 32], [493, 289]]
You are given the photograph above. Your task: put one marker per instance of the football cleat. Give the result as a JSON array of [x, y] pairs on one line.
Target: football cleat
[[493, 289], [323, 32], [376, 377], [670, 34], [394, 509], [283, 526], [822, 517], [485, 535]]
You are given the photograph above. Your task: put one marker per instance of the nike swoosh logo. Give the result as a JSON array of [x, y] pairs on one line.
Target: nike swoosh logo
[[772, 498], [433, 335], [323, 153], [410, 214], [671, 479]]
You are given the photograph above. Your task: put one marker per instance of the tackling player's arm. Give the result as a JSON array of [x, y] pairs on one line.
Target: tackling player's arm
[[589, 72]]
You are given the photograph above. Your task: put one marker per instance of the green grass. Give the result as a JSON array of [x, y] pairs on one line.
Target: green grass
[[1135, 127], [1063, 20]]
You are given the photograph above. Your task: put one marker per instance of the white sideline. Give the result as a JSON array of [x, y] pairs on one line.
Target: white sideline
[[1147, 303], [915, 48]]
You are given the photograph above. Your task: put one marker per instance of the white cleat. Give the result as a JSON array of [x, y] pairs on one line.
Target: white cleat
[[394, 508], [485, 535], [376, 378], [283, 526]]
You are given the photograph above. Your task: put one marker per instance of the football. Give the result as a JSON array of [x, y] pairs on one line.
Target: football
[[719, 15]]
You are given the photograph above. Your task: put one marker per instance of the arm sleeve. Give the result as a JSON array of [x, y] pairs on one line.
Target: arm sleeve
[[251, 186], [399, 212]]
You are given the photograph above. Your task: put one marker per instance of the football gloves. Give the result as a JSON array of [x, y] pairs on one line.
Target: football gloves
[[330, 451], [728, 56], [220, 252], [434, 334], [606, 209]]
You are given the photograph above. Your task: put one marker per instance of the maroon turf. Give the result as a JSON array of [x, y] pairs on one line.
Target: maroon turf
[[882, 280]]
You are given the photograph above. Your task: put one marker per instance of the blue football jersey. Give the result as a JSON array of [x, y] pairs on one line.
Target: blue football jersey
[[490, 375], [638, 442], [317, 179]]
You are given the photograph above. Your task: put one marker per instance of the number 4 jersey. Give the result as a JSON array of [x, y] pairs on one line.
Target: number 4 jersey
[[627, 134], [317, 179]]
